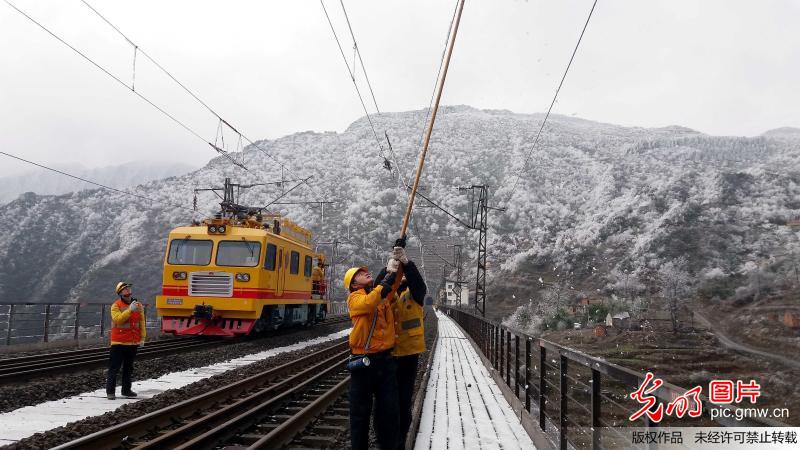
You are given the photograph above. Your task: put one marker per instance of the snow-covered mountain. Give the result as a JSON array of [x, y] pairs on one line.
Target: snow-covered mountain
[[121, 176], [595, 198]]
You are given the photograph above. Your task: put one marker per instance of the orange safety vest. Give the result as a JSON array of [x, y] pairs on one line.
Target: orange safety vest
[[129, 331]]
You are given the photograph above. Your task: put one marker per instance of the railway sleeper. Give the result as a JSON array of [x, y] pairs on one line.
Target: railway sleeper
[[318, 441]]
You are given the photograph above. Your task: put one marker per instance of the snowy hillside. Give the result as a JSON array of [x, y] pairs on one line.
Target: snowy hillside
[[595, 200], [44, 182]]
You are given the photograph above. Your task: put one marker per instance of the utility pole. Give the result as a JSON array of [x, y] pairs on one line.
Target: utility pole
[[459, 281], [444, 285], [479, 220], [479, 209]]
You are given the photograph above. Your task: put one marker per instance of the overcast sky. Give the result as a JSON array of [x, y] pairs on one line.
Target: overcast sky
[[272, 68]]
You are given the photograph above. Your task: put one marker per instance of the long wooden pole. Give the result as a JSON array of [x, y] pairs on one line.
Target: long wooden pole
[[429, 131]]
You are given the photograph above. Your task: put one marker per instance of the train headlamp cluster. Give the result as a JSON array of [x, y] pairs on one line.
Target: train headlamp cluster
[[242, 276], [217, 229], [178, 275]]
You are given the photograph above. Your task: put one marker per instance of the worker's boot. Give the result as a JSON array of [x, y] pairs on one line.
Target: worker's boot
[[111, 396], [129, 394]]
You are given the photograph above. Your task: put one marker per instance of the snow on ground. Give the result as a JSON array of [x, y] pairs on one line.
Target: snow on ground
[[463, 406], [24, 422]]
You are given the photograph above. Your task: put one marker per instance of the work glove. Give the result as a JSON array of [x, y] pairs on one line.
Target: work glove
[[399, 253], [392, 265], [387, 283], [134, 306], [400, 242]]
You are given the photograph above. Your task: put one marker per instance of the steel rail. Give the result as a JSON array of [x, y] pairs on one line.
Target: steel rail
[[71, 354], [285, 432], [180, 412], [219, 422], [22, 368], [229, 429], [25, 373]]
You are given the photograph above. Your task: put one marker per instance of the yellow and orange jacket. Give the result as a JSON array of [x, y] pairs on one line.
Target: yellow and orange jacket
[[363, 306], [127, 327], [410, 331]]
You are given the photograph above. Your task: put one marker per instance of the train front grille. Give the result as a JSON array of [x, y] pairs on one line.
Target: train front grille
[[211, 284]]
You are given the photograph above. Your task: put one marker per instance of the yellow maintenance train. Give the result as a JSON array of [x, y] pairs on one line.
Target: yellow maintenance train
[[239, 273]]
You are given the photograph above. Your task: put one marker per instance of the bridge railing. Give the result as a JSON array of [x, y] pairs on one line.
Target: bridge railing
[[576, 400], [26, 322]]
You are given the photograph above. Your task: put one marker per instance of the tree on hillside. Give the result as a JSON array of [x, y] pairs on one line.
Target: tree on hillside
[[625, 284], [674, 286]]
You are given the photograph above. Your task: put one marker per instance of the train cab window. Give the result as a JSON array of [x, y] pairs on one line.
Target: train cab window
[[294, 264], [307, 266], [189, 252], [269, 260], [238, 253]]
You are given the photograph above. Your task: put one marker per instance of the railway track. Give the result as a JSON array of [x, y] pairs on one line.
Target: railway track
[[266, 410], [25, 368]]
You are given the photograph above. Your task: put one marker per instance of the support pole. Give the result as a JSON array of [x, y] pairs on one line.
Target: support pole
[[528, 374], [542, 387], [77, 320], [46, 321], [562, 396], [596, 380], [483, 229], [10, 324], [102, 320], [516, 365]]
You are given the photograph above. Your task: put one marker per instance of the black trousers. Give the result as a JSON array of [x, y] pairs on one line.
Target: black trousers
[[120, 356], [406, 377], [376, 382]]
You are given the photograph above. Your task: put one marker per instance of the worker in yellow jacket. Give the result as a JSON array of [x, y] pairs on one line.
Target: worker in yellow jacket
[[318, 286], [372, 367], [128, 332], [410, 336]]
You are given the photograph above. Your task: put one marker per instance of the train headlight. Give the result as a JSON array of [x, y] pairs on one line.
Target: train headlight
[[221, 229], [178, 275], [241, 276], [212, 229]]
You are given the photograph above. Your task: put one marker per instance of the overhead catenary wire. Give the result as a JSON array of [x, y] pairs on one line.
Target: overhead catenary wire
[[550, 108], [357, 50], [440, 89], [118, 80], [438, 73], [351, 73], [201, 101], [141, 197]]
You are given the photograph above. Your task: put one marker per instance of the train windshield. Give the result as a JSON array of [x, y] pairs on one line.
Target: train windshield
[[189, 252], [238, 253]]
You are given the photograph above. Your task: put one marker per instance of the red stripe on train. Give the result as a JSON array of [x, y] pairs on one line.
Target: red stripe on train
[[244, 293]]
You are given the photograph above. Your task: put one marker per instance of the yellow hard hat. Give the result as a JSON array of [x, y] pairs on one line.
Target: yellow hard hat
[[348, 276], [122, 285]]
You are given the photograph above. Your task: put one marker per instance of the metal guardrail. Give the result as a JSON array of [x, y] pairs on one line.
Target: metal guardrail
[[579, 400], [27, 322]]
